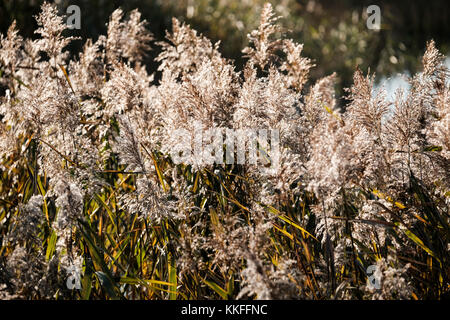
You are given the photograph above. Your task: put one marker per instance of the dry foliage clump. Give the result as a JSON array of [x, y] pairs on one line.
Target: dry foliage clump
[[87, 182]]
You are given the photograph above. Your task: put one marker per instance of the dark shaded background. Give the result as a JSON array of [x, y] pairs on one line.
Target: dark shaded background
[[334, 32]]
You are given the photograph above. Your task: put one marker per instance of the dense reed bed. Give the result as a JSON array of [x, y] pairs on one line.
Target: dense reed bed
[[89, 192]]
